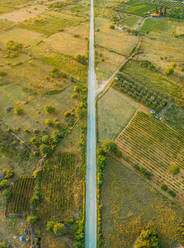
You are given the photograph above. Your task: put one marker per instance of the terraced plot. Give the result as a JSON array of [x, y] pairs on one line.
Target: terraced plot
[[151, 144]]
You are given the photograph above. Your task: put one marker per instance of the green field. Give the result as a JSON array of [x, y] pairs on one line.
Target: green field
[[121, 109], [137, 8], [129, 203]]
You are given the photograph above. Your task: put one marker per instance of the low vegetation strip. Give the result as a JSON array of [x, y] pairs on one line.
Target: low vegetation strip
[[154, 148], [21, 192]]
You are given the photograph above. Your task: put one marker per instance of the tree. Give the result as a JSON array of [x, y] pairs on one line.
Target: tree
[[49, 109], [48, 122], [50, 226], [45, 139], [109, 146], [59, 228], [169, 71], [45, 150], [148, 238], [56, 135], [32, 219], [4, 183], [8, 173], [174, 169], [34, 141]]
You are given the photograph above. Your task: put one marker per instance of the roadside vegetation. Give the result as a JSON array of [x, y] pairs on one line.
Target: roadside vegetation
[[43, 79]]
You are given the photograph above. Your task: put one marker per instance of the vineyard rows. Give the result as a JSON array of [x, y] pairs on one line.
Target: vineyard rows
[[21, 193], [154, 146], [56, 187]]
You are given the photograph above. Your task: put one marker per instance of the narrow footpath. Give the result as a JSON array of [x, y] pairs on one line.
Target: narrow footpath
[[91, 202]]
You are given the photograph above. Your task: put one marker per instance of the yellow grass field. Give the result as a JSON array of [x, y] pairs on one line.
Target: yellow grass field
[[120, 108], [67, 44]]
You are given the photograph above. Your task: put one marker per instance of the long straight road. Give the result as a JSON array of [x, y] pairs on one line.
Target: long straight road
[[91, 203]]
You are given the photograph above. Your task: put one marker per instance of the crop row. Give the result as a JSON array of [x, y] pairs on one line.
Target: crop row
[[21, 193], [153, 150]]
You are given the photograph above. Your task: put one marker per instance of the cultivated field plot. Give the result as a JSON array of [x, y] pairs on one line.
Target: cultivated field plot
[[154, 80], [59, 186], [151, 144], [114, 112], [162, 43], [129, 203], [112, 47], [21, 193]]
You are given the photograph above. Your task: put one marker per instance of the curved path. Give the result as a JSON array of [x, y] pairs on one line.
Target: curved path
[[91, 203]]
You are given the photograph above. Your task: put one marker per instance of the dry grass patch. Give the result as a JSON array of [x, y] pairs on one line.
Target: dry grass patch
[[67, 44], [115, 41], [121, 109], [81, 30], [23, 14], [33, 106], [108, 62], [20, 35], [129, 204]]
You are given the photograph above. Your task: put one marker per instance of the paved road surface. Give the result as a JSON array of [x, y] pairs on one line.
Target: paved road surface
[[91, 205]]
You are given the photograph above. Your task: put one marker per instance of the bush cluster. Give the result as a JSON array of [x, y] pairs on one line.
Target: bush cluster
[[13, 48], [140, 93], [148, 238], [80, 94], [55, 227], [36, 197], [82, 59], [143, 171]]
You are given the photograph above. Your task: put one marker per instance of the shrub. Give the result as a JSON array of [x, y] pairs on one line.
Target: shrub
[[174, 169], [32, 219], [45, 139], [112, 27], [48, 122], [55, 73], [50, 226], [172, 193], [173, 65], [67, 114], [13, 48], [59, 228], [164, 187], [4, 183], [169, 71], [34, 141], [109, 146], [56, 136], [82, 59], [57, 124], [49, 109], [7, 194], [148, 238], [136, 167], [45, 150], [18, 110], [8, 173]]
